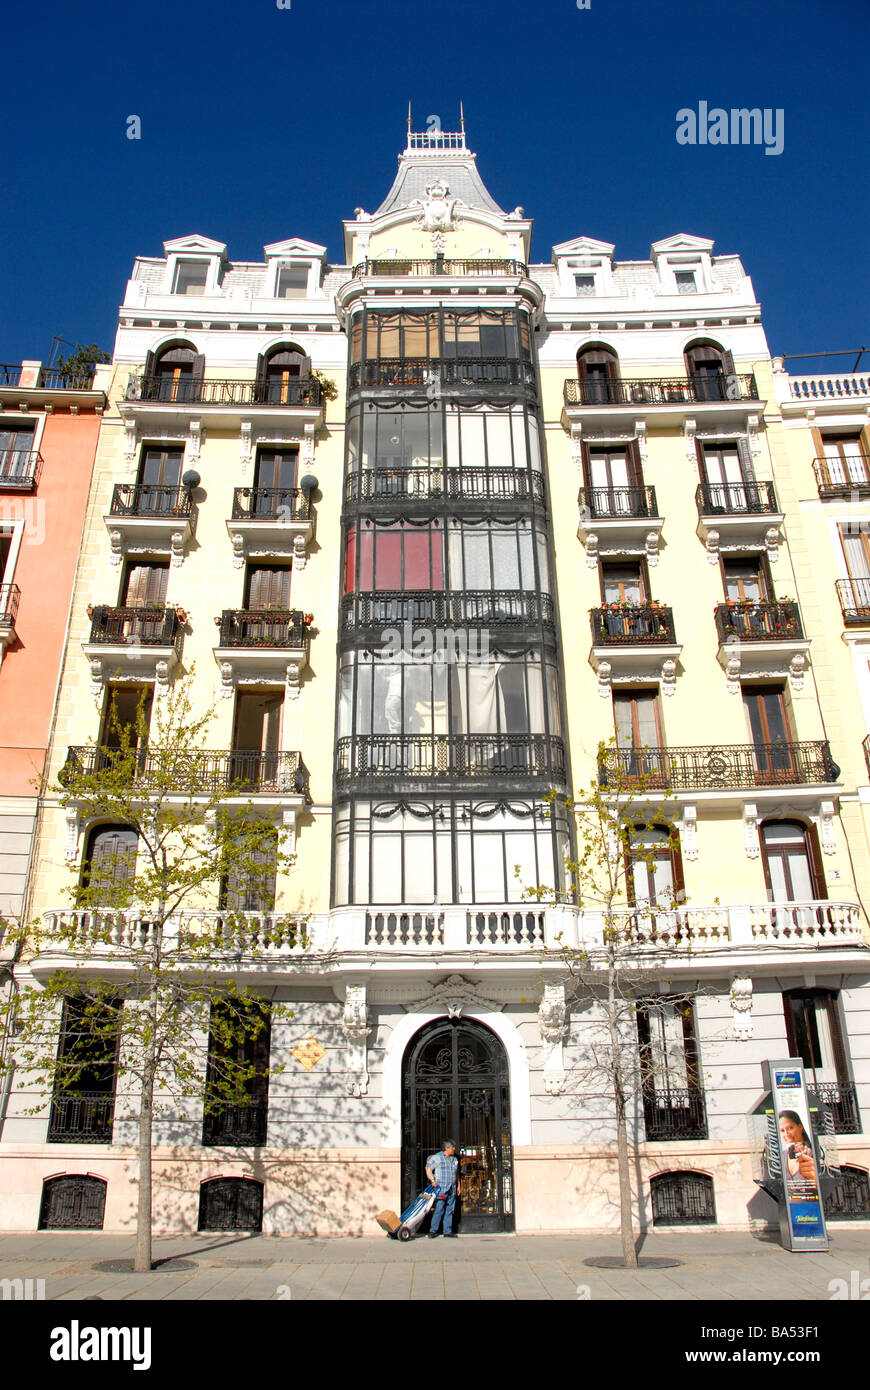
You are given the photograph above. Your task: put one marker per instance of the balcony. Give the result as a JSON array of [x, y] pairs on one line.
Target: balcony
[[440, 266], [505, 610], [86, 1118], [19, 469], [633, 641], [840, 1099], [445, 374], [720, 768], [618, 520], [150, 518], [854, 596], [270, 521], [135, 644], [404, 486], [237, 772], [846, 478], [760, 638], [737, 516], [30, 384], [10, 597], [227, 402], [712, 398], [368, 760], [234, 1125], [268, 645], [674, 1114]]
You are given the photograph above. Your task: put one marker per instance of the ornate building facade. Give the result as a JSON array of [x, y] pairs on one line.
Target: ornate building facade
[[549, 505]]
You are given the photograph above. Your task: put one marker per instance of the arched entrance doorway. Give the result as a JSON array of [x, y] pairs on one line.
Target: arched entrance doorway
[[456, 1084]]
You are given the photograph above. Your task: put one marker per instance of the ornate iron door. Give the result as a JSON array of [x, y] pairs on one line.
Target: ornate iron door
[[456, 1086]]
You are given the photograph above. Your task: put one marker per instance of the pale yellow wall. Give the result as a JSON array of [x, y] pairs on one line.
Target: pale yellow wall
[[412, 242]]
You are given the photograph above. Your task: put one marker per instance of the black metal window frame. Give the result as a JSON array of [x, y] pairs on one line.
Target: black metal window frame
[[230, 1125], [83, 1111], [83, 1195], [442, 328], [673, 1196], [452, 546], [673, 1106], [240, 1200], [453, 832], [850, 1199], [368, 446]]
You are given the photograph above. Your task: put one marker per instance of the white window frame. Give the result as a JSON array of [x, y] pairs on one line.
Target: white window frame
[[177, 258], [7, 417], [309, 264]]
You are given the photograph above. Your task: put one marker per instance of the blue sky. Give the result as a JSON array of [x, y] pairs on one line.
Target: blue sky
[[260, 123]]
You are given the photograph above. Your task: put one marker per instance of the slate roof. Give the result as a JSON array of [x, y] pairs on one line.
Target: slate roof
[[459, 172]]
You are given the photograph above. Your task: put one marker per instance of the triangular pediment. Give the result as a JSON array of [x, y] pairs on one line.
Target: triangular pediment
[[682, 241], [196, 242], [585, 246], [294, 246]]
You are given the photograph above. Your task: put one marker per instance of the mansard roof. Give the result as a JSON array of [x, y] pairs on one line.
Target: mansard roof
[[434, 155]]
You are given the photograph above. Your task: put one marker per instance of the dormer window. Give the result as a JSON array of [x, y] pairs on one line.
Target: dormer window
[[190, 277], [292, 282], [584, 284], [686, 283]]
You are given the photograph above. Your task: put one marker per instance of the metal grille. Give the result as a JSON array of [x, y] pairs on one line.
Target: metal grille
[[850, 1200], [231, 1204], [758, 621], [433, 608], [453, 484], [632, 625], [729, 386], [73, 1203], [281, 629], [449, 371], [840, 1098], [240, 771], [456, 1086], [725, 765], [167, 390], [376, 756], [618, 501], [682, 1199], [440, 266], [87, 1118], [271, 503], [148, 627], [679, 1114], [737, 498], [150, 499]]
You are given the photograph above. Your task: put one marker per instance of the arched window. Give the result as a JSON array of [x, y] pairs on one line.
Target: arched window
[[109, 862], [708, 367], [655, 870], [174, 373], [598, 373], [792, 861], [73, 1202], [682, 1199], [279, 372], [850, 1201], [231, 1204]]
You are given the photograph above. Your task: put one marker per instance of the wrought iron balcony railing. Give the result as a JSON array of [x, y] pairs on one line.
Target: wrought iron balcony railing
[[454, 484], [10, 596], [854, 596], [680, 1114], [841, 477], [446, 372], [378, 756], [236, 1124], [271, 504], [279, 628], [636, 625], [440, 266], [720, 767], [195, 774], [693, 390], [20, 469], [150, 499], [841, 1099], [147, 627], [735, 499], [758, 621], [617, 502], [488, 607], [86, 1118], [49, 378], [165, 390]]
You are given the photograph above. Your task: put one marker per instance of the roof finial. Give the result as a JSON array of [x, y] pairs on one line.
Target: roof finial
[[409, 116], [461, 118]]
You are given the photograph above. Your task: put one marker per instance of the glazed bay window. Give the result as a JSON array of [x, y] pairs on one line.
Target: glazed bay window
[[391, 852]]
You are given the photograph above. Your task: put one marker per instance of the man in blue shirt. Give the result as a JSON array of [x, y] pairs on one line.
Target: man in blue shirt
[[442, 1170]]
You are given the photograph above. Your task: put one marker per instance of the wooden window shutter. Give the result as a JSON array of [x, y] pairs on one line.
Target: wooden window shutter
[[149, 364], [677, 869], [261, 370], [635, 467], [728, 362], [199, 367], [817, 871], [587, 466], [747, 468], [838, 1047]]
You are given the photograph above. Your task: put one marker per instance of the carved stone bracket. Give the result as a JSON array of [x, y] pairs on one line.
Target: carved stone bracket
[[826, 827], [752, 423], [161, 682], [226, 670], [750, 830], [796, 669], [116, 541], [651, 545], [300, 552], [741, 1007], [452, 996], [130, 442], [605, 671], [355, 1027], [712, 545], [771, 540], [245, 443], [669, 677], [176, 546], [592, 550], [196, 438], [691, 453], [641, 435], [96, 667], [577, 445], [288, 829], [293, 679], [308, 444], [689, 832], [553, 1021], [73, 831], [238, 550]]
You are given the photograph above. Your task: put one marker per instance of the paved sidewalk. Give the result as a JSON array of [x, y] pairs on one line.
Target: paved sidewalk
[[729, 1267]]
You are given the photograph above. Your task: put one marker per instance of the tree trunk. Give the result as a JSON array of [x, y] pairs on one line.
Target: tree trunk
[[142, 1262], [626, 1216]]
